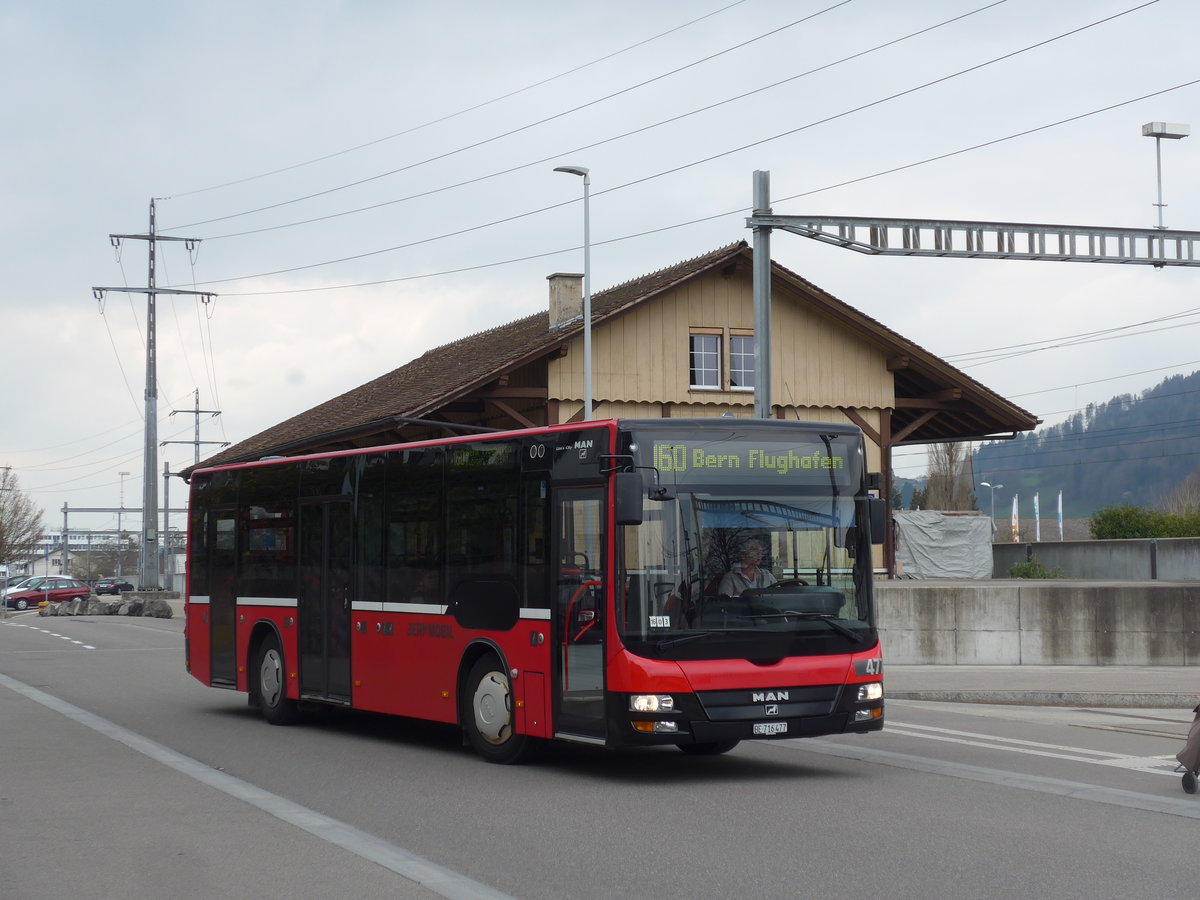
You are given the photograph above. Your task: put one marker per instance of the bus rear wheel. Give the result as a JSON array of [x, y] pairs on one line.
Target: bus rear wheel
[[708, 748], [270, 674], [487, 715]]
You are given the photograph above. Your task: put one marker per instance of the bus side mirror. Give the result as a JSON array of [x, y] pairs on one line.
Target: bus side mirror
[[877, 511], [627, 491]]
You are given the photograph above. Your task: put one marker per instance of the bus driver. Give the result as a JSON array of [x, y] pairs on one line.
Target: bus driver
[[747, 574]]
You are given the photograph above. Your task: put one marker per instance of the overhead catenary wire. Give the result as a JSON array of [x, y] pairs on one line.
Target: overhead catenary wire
[[461, 112], [709, 158], [562, 154], [740, 211], [542, 121]]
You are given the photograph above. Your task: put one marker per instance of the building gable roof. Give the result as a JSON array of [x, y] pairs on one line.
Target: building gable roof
[[444, 374]]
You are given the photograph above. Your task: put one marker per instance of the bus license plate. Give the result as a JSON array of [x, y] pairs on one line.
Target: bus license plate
[[770, 727]]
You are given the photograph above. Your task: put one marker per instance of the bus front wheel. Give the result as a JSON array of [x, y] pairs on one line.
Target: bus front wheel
[[270, 674], [487, 714]]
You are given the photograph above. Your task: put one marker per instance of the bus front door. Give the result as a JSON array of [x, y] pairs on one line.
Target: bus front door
[[579, 614], [222, 602], [324, 609]]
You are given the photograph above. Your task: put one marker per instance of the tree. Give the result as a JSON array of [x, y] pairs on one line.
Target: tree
[[949, 484], [20, 521], [1184, 498], [103, 560]]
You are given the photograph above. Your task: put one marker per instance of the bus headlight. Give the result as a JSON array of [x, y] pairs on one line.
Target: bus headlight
[[872, 691], [645, 703]]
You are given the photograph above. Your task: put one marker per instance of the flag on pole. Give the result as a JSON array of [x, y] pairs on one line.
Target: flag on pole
[[1037, 520], [1060, 522], [1016, 522]]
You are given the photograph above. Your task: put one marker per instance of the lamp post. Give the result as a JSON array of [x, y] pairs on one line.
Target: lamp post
[[1173, 131], [120, 534], [7, 569], [587, 288], [992, 488]]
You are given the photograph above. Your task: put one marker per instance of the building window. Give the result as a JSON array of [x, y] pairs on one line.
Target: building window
[[706, 361], [741, 362]]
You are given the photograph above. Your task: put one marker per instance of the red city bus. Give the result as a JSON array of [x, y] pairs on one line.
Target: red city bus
[[689, 582]]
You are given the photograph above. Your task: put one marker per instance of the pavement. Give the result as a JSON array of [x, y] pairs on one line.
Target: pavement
[[1145, 687]]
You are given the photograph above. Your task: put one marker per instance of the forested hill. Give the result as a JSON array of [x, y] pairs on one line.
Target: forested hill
[[1131, 450]]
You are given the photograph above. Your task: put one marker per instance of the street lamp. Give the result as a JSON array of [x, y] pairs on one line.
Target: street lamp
[[1173, 131], [120, 509], [7, 568], [992, 488], [587, 288]]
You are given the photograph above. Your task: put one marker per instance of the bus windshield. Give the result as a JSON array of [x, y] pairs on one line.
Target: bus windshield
[[755, 563]]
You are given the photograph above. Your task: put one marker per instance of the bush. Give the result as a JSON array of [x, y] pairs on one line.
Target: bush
[[1122, 522], [1034, 569]]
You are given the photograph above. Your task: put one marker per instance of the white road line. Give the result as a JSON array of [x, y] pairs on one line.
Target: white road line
[[441, 881], [1002, 740], [1155, 765], [1178, 805], [50, 633]]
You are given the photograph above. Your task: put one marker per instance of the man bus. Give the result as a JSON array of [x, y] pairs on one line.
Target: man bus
[[557, 583]]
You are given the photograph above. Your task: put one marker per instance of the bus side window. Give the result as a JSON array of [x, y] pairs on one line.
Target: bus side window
[[482, 536], [413, 547], [535, 573]]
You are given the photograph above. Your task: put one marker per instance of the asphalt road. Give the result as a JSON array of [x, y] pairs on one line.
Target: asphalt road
[[122, 776]]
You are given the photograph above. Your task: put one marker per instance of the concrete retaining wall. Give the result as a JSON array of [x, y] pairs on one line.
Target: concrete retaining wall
[[1039, 622], [1165, 559]]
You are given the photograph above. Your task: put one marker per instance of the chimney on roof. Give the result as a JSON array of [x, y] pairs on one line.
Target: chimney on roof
[[566, 298]]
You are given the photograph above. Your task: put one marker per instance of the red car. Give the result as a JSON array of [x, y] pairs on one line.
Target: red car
[[52, 589]]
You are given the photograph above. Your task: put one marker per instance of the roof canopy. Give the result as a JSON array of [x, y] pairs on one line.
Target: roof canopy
[[447, 387]]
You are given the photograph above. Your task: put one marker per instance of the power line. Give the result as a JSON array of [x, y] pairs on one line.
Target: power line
[[708, 218], [707, 159], [526, 127], [1194, 362], [608, 140], [1055, 342], [460, 112]]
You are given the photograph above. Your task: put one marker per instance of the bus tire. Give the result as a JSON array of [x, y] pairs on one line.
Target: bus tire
[[487, 715], [270, 684], [708, 748]]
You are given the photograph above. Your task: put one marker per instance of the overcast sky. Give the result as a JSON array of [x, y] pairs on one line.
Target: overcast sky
[[372, 179]]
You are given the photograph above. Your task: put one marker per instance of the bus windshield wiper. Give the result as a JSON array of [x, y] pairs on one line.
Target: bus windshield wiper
[[684, 639], [833, 623]]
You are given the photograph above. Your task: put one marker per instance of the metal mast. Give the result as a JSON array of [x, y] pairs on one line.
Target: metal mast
[[197, 412], [148, 575]]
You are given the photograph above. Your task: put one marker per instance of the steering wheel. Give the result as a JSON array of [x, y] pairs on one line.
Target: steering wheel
[[789, 582]]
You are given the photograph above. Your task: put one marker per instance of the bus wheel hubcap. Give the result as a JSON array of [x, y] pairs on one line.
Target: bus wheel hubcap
[[271, 678], [491, 707]]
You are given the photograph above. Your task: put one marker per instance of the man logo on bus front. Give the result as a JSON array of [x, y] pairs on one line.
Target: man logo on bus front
[[771, 709]]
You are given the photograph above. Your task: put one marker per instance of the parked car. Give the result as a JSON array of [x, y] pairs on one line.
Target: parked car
[[16, 582], [112, 586], [29, 581], [50, 588]]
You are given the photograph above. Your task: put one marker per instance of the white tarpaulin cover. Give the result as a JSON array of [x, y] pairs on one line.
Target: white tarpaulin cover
[[931, 544]]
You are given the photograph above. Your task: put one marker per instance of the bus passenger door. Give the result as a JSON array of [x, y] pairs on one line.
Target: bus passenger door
[[324, 609], [222, 601], [578, 615]]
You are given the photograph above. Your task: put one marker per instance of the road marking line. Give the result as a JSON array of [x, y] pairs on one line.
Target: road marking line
[[1005, 740], [1152, 765], [441, 881], [51, 634], [1184, 807]]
